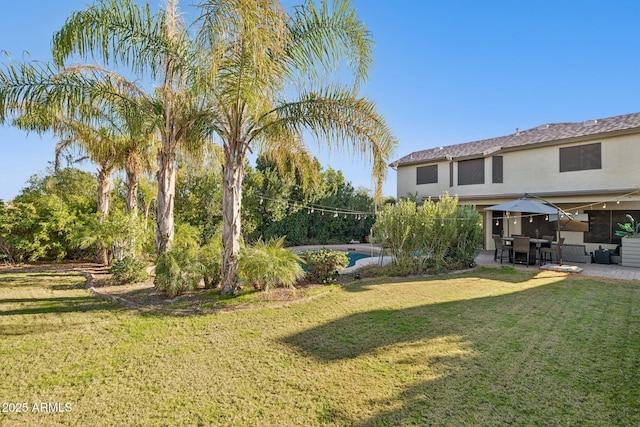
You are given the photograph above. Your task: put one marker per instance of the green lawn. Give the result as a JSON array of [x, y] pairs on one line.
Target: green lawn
[[489, 347]]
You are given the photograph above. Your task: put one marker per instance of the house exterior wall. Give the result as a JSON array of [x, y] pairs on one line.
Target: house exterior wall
[[535, 169]]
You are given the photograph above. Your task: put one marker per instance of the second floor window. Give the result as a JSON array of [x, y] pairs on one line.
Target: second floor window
[[471, 172], [427, 174], [581, 157], [497, 169]]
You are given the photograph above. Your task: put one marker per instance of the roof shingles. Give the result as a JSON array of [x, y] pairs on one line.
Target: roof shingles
[[544, 133]]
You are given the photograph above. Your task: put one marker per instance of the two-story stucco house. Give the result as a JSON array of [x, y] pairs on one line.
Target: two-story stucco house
[[585, 168]]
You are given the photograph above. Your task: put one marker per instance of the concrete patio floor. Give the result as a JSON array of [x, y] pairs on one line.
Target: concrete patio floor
[[612, 271]]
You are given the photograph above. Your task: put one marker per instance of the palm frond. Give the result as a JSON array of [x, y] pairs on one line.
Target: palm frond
[[290, 157], [116, 31], [327, 36], [340, 120]]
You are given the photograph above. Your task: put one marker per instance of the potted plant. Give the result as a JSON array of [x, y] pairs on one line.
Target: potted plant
[[630, 233]]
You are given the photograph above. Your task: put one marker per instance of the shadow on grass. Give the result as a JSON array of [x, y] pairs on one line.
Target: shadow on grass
[[58, 305], [503, 273], [363, 332], [31, 329], [515, 360], [34, 294]]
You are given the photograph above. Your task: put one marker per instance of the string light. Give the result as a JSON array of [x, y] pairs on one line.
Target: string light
[[364, 215], [297, 206]]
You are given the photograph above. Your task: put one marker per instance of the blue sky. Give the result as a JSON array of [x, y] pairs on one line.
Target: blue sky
[[445, 72]]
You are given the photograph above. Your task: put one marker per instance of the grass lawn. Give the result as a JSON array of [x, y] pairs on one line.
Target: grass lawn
[[488, 347]]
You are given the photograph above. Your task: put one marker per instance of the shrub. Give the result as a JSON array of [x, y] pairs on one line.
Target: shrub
[[211, 260], [268, 264], [322, 264], [129, 270], [178, 271], [629, 229], [432, 237]]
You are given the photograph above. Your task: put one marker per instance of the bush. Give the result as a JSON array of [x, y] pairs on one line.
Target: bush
[[129, 270], [322, 264], [433, 237], [269, 264], [178, 271], [211, 260]]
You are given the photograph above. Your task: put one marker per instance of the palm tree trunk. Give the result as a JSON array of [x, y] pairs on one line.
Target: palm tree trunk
[[165, 200], [232, 174], [132, 192], [104, 205]]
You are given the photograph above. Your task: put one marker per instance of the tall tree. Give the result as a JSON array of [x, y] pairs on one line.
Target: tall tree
[[112, 138], [262, 56], [129, 37], [235, 83], [155, 46]]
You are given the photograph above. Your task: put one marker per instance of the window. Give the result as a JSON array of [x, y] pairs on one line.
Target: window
[[604, 224], [427, 174], [497, 169], [581, 157], [471, 172]]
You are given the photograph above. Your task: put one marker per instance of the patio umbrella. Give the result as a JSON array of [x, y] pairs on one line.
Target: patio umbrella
[[525, 204]]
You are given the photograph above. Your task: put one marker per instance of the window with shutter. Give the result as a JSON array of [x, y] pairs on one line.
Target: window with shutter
[[427, 174], [581, 157], [497, 169], [471, 172]]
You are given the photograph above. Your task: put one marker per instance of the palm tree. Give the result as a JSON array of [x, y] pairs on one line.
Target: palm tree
[[156, 46], [96, 145], [259, 53], [92, 141], [111, 138], [122, 33], [232, 82]]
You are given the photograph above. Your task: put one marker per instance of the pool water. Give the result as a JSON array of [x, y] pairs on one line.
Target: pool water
[[354, 256]]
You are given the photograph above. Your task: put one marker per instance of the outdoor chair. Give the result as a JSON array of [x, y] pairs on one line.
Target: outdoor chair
[[521, 246], [553, 250], [500, 247], [550, 239]]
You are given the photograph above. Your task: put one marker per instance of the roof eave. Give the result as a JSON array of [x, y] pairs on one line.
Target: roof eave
[[398, 164]]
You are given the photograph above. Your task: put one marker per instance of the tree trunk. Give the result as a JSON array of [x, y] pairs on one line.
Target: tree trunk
[[232, 174], [132, 192], [165, 200], [104, 205]]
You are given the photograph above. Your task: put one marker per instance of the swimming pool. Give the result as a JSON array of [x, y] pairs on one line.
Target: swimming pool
[[352, 255], [355, 256]]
